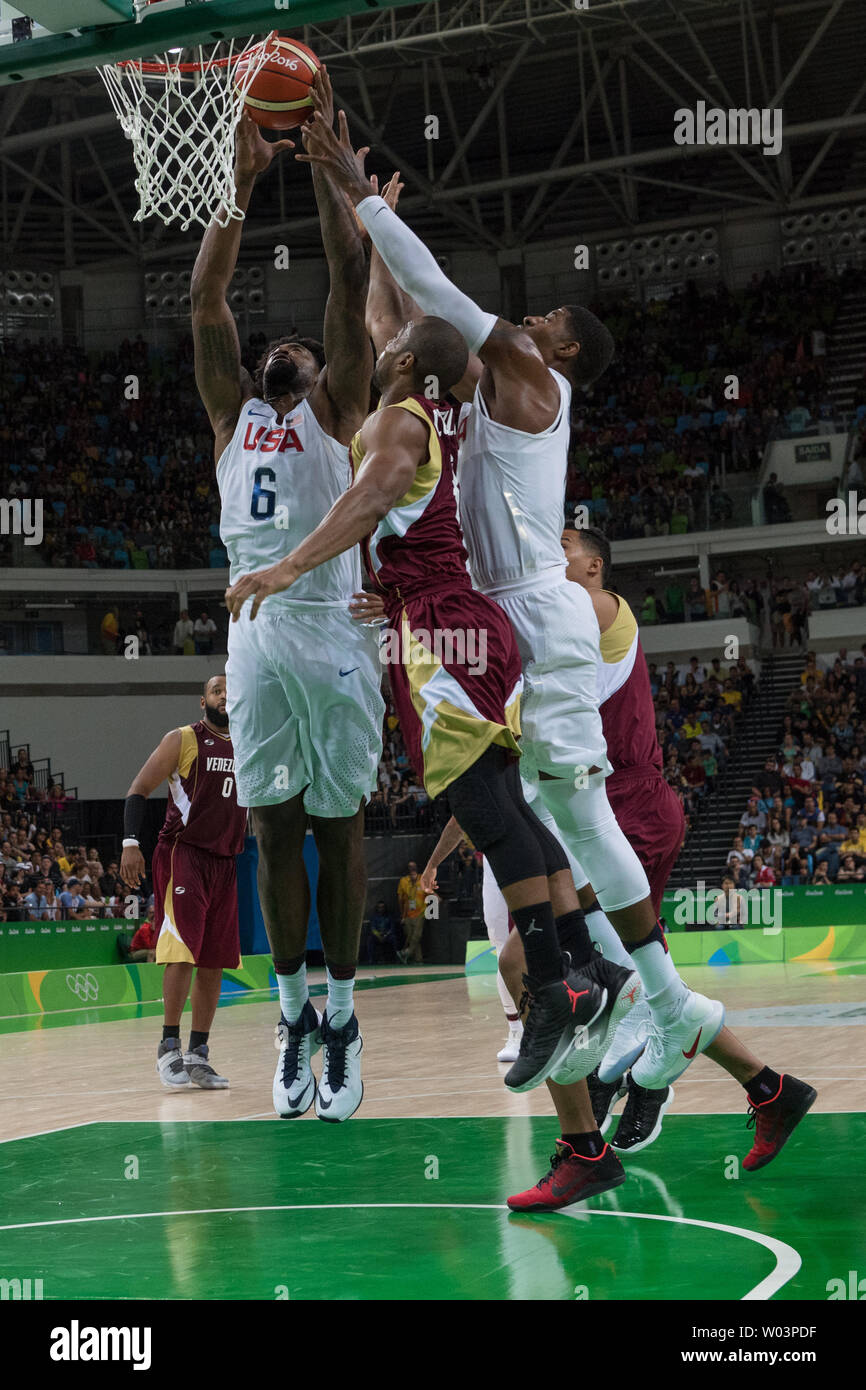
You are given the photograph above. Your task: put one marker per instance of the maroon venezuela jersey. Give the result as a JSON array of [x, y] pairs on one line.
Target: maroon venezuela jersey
[[625, 697], [453, 663], [419, 543], [203, 806]]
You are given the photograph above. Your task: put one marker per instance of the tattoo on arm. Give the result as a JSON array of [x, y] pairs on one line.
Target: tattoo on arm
[[218, 350], [219, 375]]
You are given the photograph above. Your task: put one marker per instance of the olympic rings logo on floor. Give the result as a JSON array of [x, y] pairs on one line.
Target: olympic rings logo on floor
[[85, 986]]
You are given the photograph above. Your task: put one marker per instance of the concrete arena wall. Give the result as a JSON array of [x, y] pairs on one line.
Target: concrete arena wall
[[99, 718], [98, 744]]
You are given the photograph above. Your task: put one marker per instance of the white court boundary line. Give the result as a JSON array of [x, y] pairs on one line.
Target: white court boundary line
[[788, 1261], [270, 1115], [57, 1129]]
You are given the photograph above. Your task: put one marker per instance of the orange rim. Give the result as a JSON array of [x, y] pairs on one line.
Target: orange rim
[[154, 68]]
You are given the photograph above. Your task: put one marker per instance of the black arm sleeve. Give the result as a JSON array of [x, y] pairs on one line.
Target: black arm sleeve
[[133, 816]]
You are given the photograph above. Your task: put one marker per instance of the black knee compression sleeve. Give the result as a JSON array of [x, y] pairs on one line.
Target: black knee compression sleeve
[[555, 857], [488, 802]]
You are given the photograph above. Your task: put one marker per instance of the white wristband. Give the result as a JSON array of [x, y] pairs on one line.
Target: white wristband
[[128, 843]]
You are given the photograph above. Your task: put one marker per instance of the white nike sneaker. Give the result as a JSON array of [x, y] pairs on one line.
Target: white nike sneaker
[[294, 1082], [675, 1039], [341, 1089], [201, 1073], [629, 1041], [511, 1051], [169, 1065]]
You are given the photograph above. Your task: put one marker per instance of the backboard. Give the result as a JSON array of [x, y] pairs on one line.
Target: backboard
[[76, 35]]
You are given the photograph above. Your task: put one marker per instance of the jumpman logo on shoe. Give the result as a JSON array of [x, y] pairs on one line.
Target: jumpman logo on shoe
[[574, 995]]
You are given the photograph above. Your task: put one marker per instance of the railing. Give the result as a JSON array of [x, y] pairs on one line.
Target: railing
[[5, 751], [407, 818], [695, 850], [838, 423], [42, 778]]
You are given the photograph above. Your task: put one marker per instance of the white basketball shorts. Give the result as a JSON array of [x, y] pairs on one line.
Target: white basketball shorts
[[559, 642], [305, 707]]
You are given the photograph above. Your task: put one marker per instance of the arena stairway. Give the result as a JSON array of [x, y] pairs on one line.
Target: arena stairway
[[847, 351], [707, 846], [43, 776]]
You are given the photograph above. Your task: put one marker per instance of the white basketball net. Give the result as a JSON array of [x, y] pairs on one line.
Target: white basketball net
[[181, 120]]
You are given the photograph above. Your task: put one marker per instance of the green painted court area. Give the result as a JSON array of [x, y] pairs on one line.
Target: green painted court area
[[415, 1209]]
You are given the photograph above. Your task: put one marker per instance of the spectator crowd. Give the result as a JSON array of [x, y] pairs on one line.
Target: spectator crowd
[[118, 444], [126, 483], [41, 880], [698, 707], [649, 441], [805, 822], [779, 607], [399, 804], [43, 876]]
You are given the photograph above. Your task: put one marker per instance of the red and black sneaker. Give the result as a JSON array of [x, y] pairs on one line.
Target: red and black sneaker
[[774, 1120], [570, 1178]]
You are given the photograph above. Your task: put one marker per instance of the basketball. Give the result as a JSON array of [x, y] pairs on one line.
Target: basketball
[[279, 95]]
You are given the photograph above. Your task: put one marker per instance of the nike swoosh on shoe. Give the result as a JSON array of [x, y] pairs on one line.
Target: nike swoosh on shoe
[[694, 1047]]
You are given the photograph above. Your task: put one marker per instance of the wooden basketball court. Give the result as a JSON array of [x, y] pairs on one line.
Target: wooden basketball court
[[113, 1187]]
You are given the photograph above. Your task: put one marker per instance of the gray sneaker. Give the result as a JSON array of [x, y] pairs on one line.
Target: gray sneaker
[[201, 1073], [170, 1065]]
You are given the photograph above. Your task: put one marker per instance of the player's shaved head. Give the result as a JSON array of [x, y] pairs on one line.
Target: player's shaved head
[[439, 351], [428, 354]]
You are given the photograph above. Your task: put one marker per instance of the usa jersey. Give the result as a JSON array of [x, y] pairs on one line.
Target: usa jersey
[[512, 495], [277, 482], [203, 806], [625, 696], [418, 542]]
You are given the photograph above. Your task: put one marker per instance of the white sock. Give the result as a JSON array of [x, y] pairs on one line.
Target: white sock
[[505, 998], [663, 984], [293, 993], [340, 1001], [602, 930]]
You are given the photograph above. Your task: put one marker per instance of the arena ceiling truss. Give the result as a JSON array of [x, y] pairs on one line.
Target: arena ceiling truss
[[554, 122]]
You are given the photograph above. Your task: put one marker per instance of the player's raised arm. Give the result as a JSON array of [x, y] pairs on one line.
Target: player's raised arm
[[417, 272], [223, 383], [395, 443], [341, 396], [389, 306], [158, 768]]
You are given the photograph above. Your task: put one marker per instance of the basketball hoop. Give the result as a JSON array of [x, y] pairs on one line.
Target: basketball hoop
[[181, 119]]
